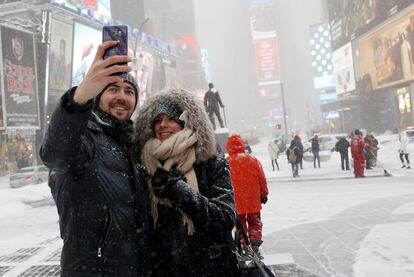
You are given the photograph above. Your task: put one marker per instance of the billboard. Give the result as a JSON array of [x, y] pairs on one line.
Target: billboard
[[386, 55], [264, 36], [262, 19], [349, 19], [267, 60], [99, 7], [85, 43], [321, 52], [343, 63], [19, 87], [60, 56]]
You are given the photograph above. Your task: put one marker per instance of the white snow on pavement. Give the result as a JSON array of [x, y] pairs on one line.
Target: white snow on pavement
[[387, 251]]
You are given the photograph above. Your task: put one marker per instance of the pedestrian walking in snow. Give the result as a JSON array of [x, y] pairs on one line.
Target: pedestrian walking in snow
[[315, 151], [292, 154], [298, 141], [371, 151], [102, 200], [357, 152], [250, 189], [212, 100], [273, 150], [192, 201], [342, 147], [404, 152]]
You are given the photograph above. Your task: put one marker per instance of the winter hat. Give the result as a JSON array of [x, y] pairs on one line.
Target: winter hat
[[127, 78], [169, 108], [357, 132], [235, 144]]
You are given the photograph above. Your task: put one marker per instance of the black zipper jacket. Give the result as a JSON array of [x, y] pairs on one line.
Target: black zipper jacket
[[101, 195]]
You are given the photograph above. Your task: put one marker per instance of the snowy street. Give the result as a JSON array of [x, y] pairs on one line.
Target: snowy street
[[328, 222]]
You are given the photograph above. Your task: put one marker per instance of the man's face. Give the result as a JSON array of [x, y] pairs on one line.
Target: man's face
[[118, 100]]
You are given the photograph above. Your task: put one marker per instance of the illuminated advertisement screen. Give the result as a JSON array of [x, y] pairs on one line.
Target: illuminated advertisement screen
[[100, 7], [264, 36], [386, 55], [85, 43], [349, 19], [267, 60], [320, 41], [263, 20]]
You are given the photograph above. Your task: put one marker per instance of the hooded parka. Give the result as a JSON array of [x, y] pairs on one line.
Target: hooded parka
[[102, 198], [206, 252], [247, 177]]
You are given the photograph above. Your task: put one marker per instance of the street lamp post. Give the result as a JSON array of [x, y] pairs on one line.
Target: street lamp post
[[284, 109]]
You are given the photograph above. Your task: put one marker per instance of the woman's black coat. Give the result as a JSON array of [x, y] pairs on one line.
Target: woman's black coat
[[207, 252]]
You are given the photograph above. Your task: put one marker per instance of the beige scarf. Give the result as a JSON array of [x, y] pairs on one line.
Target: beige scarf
[[177, 149]]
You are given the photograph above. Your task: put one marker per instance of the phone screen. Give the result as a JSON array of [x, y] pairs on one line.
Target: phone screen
[[120, 33]]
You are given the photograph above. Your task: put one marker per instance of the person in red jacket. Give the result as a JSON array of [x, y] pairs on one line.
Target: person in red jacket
[[357, 151], [250, 188]]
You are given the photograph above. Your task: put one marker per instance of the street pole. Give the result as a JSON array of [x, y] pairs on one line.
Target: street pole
[[342, 121], [45, 39], [284, 110]]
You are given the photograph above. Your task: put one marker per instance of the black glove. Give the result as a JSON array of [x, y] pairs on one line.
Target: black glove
[[163, 180], [263, 199]]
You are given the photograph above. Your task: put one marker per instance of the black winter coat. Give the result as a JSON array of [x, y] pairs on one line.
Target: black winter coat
[[315, 145], [207, 252], [102, 199], [342, 145]]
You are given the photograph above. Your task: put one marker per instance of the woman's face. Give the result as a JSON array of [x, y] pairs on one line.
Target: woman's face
[[165, 127]]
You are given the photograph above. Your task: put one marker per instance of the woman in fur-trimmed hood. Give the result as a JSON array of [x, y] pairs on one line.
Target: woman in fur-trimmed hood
[[191, 193]]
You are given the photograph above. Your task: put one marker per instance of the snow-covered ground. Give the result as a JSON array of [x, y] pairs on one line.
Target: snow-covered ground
[[385, 251]]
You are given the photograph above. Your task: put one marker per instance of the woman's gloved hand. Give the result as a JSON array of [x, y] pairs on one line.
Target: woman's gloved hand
[[163, 180]]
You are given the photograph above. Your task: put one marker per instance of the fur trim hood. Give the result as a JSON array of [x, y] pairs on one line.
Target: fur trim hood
[[197, 121]]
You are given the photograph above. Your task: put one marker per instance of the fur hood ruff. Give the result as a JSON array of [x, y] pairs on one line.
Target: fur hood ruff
[[197, 121]]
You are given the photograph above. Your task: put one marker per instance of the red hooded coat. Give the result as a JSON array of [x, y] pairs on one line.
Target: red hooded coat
[[247, 176]]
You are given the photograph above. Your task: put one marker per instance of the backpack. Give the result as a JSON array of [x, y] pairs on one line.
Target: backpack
[[292, 155]]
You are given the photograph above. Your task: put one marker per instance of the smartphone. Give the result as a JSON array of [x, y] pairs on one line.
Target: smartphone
[[120, 33]]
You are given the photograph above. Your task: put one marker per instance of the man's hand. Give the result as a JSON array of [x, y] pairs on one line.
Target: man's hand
[[99, 74], [263, 199]]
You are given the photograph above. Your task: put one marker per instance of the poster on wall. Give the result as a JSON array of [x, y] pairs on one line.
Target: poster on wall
[[344, 69], [85, 43], [60, 56], [387, 54], [19, 79]]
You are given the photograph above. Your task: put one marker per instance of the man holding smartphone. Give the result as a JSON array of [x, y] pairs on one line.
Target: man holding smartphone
[[101, 196]]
